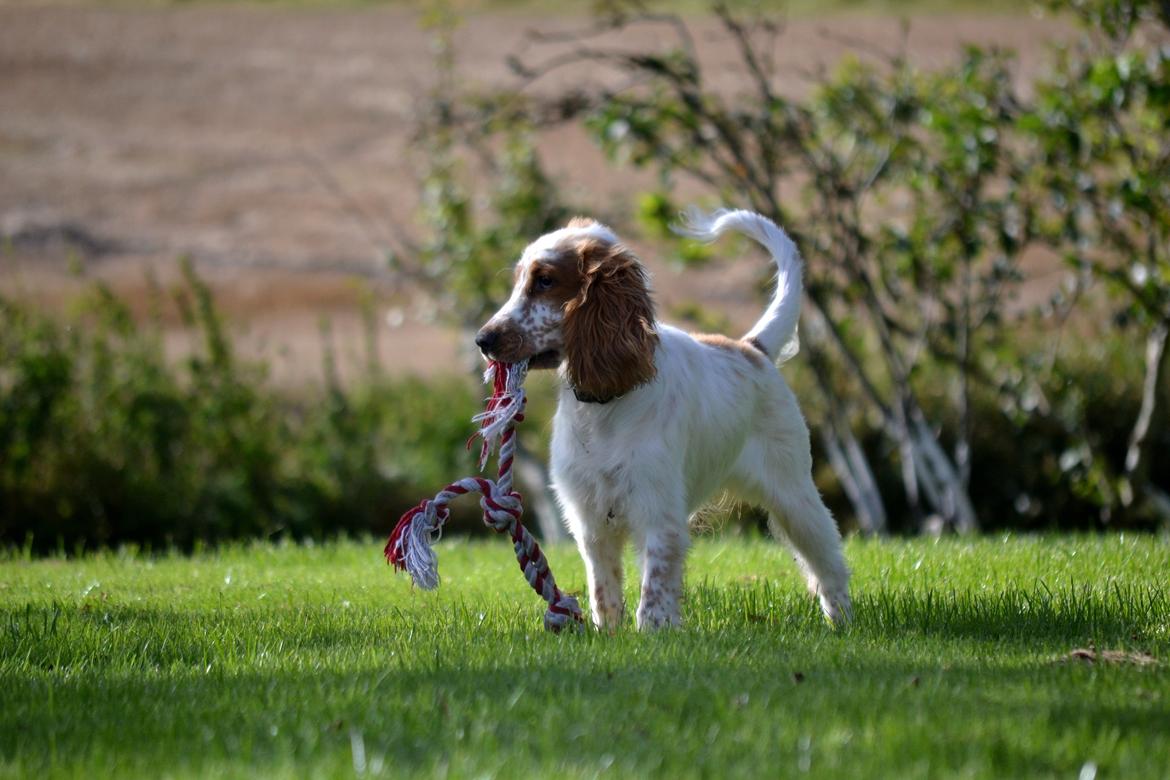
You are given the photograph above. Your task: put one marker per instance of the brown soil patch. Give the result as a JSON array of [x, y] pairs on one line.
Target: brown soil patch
[[130, 136], [1093, 656]]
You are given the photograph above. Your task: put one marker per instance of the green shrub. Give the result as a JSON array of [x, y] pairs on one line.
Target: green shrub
[[105, 441]]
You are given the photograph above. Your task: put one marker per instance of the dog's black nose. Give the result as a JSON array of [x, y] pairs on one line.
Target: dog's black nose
[[486, 339]]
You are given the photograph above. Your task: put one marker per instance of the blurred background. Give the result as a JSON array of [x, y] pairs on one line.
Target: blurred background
[[243, 247]]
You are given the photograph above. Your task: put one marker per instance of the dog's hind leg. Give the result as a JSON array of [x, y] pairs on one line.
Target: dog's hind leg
[[776, 472], [803, 519]]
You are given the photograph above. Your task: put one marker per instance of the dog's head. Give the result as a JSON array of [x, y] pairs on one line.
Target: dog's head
[[580, 298]]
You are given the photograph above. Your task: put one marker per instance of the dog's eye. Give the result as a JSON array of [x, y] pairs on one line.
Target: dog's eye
[[543, 283]]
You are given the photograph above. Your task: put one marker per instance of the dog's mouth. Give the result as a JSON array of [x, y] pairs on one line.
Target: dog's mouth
[[550, 358]]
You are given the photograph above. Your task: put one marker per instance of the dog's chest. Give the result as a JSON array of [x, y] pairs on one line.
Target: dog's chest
[[594, 465]]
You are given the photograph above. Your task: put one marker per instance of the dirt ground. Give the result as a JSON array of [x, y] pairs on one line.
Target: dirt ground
[[247, 137]]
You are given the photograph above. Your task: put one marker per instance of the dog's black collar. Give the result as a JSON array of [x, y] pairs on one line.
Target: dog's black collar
[[589, 398]]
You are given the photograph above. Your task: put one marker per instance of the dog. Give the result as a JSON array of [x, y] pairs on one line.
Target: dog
[[652, 421]]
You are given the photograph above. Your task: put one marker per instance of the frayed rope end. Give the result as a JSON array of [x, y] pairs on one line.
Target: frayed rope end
[[409, 546], [564, 613]]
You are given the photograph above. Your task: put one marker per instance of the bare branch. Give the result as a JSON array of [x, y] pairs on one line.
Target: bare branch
[[861, 44], [380, 234]]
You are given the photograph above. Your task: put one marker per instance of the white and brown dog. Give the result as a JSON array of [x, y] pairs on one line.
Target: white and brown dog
[[653, 421]]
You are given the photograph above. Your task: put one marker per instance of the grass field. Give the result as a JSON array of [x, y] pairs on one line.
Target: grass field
[[318, 661]]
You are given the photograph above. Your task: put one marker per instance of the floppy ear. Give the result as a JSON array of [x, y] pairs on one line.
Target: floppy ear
[[609, 327]]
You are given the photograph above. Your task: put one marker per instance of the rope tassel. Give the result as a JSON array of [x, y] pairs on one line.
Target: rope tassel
[[410, 546]]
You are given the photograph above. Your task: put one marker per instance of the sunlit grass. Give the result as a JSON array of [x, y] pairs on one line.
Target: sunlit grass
[[318, 661]]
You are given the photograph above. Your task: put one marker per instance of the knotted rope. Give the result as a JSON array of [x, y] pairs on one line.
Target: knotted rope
[[410, 544]]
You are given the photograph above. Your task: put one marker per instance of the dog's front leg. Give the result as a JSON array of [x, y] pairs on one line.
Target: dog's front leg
[[663, 551], [601, 549]]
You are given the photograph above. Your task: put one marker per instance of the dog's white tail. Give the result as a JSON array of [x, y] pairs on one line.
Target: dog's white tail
[[775, 332]]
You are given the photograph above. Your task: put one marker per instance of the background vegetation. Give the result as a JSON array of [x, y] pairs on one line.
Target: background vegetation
[[918, 199], [106, 441], [939, 401]]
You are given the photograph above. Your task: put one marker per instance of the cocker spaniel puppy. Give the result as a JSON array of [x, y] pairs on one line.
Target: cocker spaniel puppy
[[653, 421]]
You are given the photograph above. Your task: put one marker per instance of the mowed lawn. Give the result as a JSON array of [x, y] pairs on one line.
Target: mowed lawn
[[319, 661]]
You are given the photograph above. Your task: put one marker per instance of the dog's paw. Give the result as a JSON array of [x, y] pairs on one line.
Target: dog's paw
[[838, 608], [656, 618]]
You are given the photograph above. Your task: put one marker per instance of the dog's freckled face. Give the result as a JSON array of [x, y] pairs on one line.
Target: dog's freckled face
[[580, 297], [529, 324]]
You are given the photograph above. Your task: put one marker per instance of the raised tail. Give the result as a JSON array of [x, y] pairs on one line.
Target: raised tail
[[775, 332]]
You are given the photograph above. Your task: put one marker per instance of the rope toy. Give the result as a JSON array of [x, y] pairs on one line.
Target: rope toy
[[410, 545]]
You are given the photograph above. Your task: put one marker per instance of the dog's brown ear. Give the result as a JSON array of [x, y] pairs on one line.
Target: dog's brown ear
[[609, 326]]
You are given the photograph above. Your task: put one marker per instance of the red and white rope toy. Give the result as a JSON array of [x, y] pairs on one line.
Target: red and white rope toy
[[409, 546]]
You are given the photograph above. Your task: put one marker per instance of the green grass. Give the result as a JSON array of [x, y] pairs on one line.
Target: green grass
[[306, 661]]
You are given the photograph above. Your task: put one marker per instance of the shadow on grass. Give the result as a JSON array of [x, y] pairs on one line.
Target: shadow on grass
[[542, 706]]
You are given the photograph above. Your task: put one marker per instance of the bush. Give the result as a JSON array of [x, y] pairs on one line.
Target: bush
[[103, 441], [1030, 470]]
